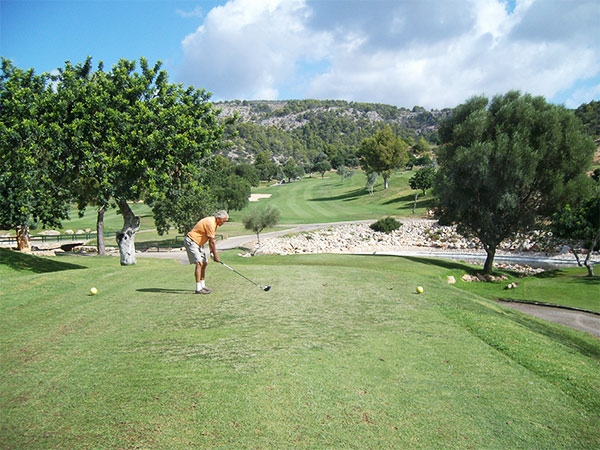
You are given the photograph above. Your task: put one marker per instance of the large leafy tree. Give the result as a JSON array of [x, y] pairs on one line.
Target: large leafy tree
[[184, 206], [89, 127], [505, 163], [32, 175], [134, 135], [383, 153]]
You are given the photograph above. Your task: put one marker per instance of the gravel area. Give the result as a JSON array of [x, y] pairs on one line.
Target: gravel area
[[413, 235]]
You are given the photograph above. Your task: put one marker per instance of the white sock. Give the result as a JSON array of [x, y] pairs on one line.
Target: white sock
[[199, 286], [202, 283]]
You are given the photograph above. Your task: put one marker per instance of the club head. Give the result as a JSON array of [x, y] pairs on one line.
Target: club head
[[266, 288]]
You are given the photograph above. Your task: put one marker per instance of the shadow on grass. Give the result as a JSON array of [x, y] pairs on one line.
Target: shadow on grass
[[166, 290], [445, 263], [31, 263], [406, 198], [165, 243], [352, 195], [573, 278]]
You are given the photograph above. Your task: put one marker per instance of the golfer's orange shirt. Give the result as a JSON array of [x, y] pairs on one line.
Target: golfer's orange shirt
[[203, 230]]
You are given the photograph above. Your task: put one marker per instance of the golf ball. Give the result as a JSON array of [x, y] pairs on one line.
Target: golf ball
[[419, 289], [93, 291]]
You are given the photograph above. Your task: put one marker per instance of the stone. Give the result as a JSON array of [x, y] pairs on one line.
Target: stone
[[450, 279], [50, 233]]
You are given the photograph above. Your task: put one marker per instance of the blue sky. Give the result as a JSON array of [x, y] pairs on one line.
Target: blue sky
[[432, 53]]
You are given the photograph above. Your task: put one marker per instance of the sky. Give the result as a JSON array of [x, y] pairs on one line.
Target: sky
[[431, 53]]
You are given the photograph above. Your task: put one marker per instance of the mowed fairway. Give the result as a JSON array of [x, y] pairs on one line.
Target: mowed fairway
[[341, 353], [321, 200]]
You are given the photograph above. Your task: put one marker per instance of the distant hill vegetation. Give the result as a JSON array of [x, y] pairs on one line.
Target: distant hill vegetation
[[589, 113], [305, 129]]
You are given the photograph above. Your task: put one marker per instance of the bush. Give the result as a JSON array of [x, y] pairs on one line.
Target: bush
[[386, 225]]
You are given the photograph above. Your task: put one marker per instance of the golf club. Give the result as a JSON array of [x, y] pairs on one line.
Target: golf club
[[264, 288]]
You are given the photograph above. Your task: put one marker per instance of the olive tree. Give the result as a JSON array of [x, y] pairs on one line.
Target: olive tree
[[505, 163], [260, 218]]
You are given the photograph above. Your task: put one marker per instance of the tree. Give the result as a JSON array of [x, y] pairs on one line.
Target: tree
[[261, 218], [232, 193], [338, 161], [246, 171], [33, 164], [421, 180], [230, 190], [383, 153], [422, 146], [589, 113], [371, 180], [138, 137], [183, 207], [503, 164], [581, 223], [344, 172], [80, 110], [322, 167], [265, 167], [290, 169]]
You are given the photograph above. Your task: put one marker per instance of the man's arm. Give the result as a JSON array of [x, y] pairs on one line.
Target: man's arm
[[213, 248]]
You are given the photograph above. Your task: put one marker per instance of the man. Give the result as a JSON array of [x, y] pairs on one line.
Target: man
[[203, 232]]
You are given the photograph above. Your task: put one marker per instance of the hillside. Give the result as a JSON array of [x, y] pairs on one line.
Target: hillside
[[302, 129]]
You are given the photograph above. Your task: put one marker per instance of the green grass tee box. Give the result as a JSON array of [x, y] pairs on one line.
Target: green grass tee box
[[341, 353]]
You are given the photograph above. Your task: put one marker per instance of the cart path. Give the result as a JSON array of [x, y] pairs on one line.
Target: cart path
[[580, 320]]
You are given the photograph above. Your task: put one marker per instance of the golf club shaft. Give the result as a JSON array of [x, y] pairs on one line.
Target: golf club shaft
[[241, 275]]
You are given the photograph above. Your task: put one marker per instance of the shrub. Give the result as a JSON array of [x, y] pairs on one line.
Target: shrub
[[386, 225]]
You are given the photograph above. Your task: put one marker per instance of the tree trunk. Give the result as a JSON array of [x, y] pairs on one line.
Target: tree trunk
[[386, 182], [23, 244], [489, 261], [587, 263], [572, 250], [125, 237], [589, 267], [100, 231], [415, 204], [257, 243]]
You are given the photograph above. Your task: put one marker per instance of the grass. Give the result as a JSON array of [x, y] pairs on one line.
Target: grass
[[311, 200], [341, 353], [113, 221], [567, 287], [320, 200]]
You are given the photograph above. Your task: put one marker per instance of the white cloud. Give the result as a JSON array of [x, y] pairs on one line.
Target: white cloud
[[195, 13], [248, 47], [428, 53]]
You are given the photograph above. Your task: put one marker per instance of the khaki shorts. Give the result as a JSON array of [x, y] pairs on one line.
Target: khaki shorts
[[196, 254]]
